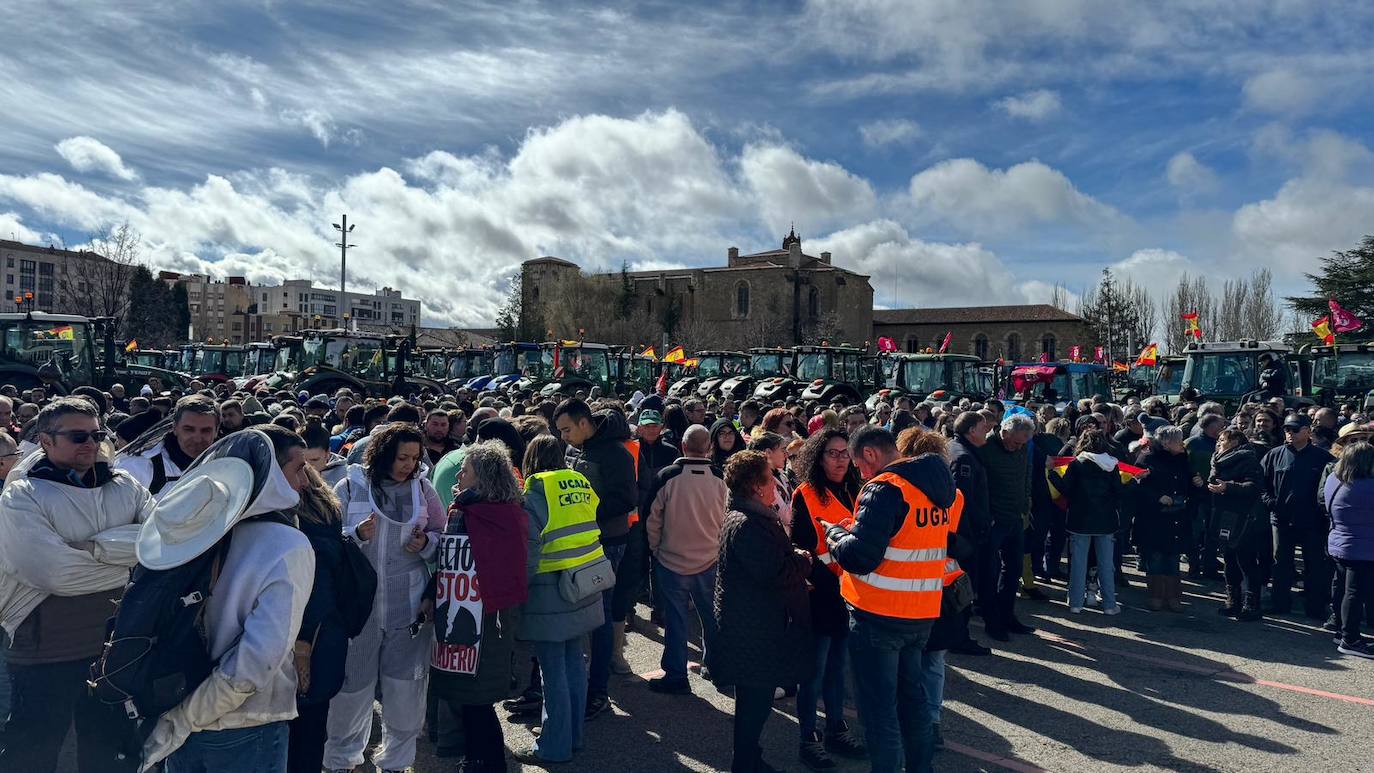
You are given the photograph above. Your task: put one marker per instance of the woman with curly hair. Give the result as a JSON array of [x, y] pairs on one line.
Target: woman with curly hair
[[827, 492], [489, 511], [396, 516]]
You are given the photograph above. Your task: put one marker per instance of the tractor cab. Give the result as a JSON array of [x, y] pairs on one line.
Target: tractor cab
[[765, 365], [830, 373], [324, 361], [514, 364], [715, 368], [1168, 380], [55, 351], [1343, 373], [1234, 372], [631, 372], [1057, 383], [215, 364], [465, 364], [259, 362], [579, 366], [928, 375]]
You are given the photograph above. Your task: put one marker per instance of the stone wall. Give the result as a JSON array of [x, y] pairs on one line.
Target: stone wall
[[910, 337]]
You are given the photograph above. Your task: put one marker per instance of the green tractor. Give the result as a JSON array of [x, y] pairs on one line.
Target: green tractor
[[1235, 372], [769, 372], [831, 374], [63, 351], [579, 367], [324, 361], [215, 364], [632, 372], [1343, 373], [928, 376]]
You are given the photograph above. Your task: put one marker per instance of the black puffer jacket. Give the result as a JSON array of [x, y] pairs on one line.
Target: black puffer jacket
[[1239, 507], [1160, 528], [610, 468], [1094, 496], [972, 479], [761, 605], [322, 624]]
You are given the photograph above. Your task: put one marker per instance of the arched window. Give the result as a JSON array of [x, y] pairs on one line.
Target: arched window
[[980, 346], [741, 299], [913, 344], [1047, 346], [813, 303], [1013, 346]]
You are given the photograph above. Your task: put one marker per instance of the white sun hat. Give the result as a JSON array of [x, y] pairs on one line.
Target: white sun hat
[[200, 508]]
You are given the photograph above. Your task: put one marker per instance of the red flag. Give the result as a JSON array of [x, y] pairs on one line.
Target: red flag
[[1322, 328], [662, 386], [1044, 356], [1075, 352], [886, 344], [1149, 355], [1098, 354], [1193, 327], [945, 343], [1343, 321]]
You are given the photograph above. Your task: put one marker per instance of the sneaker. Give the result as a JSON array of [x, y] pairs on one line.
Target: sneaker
[[813, 754], [937, 736], [529, 756], [1075, 610], [596, 704], [1114, 609], [845, 743], [667, 686], [779, 693], [1359, 648], [528, 703], [1332, 625]]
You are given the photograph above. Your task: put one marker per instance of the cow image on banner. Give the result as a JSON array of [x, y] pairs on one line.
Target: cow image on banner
[[457, 607]]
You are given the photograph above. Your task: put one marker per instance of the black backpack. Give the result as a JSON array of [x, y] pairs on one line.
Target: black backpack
[[157, 652], [357, 588]]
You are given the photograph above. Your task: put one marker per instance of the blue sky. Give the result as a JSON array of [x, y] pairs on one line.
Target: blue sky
[[959, 151]]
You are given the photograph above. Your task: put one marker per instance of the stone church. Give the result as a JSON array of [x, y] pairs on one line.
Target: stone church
[[780, 297]]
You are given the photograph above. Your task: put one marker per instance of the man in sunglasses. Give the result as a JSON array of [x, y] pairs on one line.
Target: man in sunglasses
[[66, 545]]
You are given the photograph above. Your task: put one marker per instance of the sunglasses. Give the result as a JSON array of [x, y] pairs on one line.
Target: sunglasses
[[81, 437]]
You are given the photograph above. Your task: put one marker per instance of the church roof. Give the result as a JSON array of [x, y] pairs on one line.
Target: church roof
[[959, 315]]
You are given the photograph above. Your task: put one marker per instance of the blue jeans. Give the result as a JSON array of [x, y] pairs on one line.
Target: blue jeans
[[603, 638], [891, 697], [260, 749], [827, 684], [933, 677], [1159, 562], [1078, 568], [676, 591], [564, 676]]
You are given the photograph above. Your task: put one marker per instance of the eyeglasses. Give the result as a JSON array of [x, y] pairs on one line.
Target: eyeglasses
[[836, 454], [80, 437]]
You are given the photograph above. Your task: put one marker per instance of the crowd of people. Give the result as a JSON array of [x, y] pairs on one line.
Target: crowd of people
[[809, 547]]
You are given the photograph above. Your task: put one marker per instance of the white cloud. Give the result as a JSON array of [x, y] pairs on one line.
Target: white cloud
[[908, 272], [12, 227], [1155, 269], [1033, 106], [87, 154], [895, 131], [1281, 91], [976, 199], [817, 195], [1302, 223], [319, 123], [1189, 175]]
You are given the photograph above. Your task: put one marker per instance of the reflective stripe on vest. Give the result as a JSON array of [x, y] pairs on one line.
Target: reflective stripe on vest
[[952, 571], [908, 583], [832, 511], [632, 446], [571, 537]]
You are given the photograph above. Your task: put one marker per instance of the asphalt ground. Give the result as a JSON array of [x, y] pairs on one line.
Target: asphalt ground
[[1189, 691]]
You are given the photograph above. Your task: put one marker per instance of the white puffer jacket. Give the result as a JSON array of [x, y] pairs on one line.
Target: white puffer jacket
[[41, 522]]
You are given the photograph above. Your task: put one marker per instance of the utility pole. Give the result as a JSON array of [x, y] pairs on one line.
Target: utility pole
[[344, 230]]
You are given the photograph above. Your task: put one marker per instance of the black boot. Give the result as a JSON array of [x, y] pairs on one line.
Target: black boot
[[1234, 603], [1250, 610]]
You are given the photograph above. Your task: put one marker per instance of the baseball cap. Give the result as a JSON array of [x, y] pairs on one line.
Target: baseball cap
[[650, 417], [1297, 421]]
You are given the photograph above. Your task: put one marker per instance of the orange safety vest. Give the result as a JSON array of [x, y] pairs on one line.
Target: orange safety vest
[[952, 569], [909, 582], [632, 446], [833, 511]]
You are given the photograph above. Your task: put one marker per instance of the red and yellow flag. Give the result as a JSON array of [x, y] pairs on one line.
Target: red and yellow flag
[[1322, 328], [1149, 355], [132, 346], [1194, 329], [1128, 473], [675, 354], [649, 352]]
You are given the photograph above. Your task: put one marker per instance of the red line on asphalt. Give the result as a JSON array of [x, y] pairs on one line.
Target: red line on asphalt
[[1225, 673]]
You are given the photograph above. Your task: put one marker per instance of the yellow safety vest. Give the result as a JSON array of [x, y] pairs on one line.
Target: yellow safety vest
[[571, 538]]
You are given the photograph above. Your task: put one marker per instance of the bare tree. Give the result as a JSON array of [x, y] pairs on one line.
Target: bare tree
[[1263, 314], [1190, 296], [99, 285], [1059, 297]]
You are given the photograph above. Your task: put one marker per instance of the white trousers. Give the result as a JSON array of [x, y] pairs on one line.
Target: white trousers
[[401, 663]]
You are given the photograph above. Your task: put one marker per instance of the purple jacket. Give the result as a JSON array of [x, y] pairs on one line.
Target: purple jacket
[[1351, 506]]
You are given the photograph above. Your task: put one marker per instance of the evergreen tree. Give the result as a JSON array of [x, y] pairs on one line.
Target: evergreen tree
[[178, 313], [1348, 277], [625, 299], [509, 318], [1121, 315]]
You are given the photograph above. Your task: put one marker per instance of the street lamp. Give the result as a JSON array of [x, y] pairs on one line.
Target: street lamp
[[343, 244]]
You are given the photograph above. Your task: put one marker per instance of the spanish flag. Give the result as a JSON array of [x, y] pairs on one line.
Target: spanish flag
[[1149, 355], [649, 352], [1128, 473], [675, 354], [692, 363], [132, 346], [65, 333], [1322, 328], [1194, 329]]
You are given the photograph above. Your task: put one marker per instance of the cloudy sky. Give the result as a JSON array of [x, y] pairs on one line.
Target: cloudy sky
[[959, 151]]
